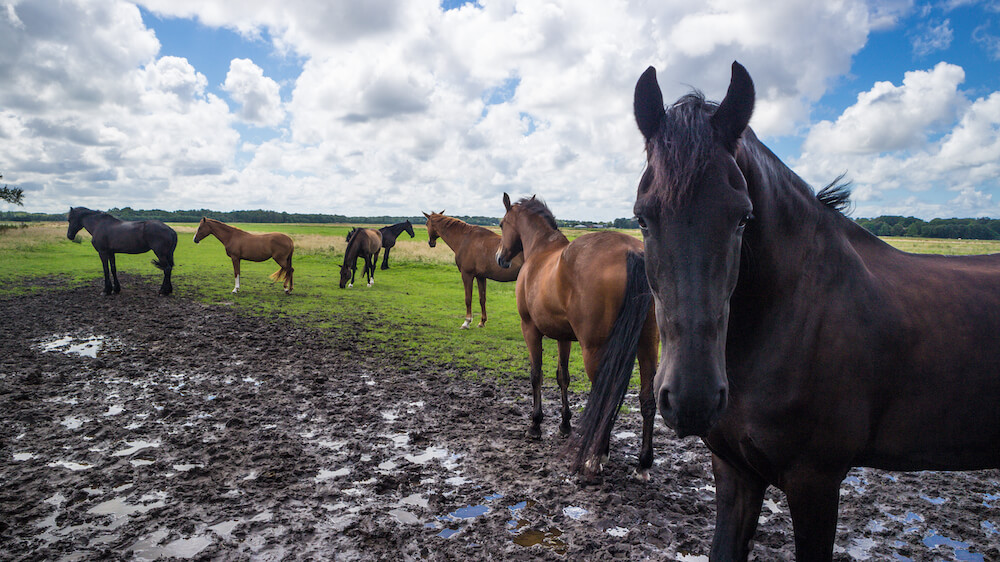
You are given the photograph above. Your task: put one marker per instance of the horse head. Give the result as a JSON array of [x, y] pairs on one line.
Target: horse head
[[203, 230], [409, 229], [432, 233], [693, 206], [510, 233], [75, 218], [346, 272]]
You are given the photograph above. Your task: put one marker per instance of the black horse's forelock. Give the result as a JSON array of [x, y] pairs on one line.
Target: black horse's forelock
[[538, 207], [681, 150]]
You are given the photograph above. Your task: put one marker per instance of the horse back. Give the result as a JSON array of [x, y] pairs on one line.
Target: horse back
[[134, 237]]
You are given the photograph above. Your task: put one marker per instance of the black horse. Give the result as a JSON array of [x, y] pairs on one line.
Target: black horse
[[389, 234], [794, 342], [111, 236]]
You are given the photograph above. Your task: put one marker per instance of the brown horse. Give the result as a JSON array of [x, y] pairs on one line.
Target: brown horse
[[592, 290], [475, 250], [243, 245], [796, 343], [363, 243]]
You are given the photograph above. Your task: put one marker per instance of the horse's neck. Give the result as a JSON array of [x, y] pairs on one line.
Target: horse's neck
[[222, 231], [91, 221], [453, 231], [353, 248], [539, 237], [395, 229]]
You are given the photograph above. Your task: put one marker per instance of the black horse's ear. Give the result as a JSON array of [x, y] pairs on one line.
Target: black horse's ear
[[733, 115], [506, 201], [648, 104]]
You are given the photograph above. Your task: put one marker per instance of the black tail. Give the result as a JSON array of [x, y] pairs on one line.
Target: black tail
[[611, 381], [166, 263]]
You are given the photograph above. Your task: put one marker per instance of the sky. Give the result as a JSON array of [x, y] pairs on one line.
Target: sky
[[393, 107]]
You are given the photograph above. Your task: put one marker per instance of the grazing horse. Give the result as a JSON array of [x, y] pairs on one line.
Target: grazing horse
[[592, 290], [389, 234], [363, 243], [111, 236], [796, 343], [475, 250], [243, 245]]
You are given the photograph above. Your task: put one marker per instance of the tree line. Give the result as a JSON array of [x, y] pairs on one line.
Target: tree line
[[973, 229]]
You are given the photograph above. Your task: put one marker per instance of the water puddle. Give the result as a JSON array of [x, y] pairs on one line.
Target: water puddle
[[120, 510], [20, 457], [73, 422], [74, 466], [574, 512], [88, 346], [404, 517], [617, 531], [934, 540], [133, 447], [331, 474], [428, 455], [547, 538], [150, 549]]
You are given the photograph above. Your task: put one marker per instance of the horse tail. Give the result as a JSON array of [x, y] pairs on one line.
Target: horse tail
[[615, 371], [283, 272], [165, 263]]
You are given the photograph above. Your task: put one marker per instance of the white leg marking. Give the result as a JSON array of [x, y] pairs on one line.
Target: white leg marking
[[349, 285], [466, 324], [237, 287]]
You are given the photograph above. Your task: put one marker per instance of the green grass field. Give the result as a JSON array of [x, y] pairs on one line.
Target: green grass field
[[414, 309]]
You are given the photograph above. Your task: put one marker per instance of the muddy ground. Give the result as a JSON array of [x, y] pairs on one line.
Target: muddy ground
[[201, 432]]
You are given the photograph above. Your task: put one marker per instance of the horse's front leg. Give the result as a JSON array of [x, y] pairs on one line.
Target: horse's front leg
[[385, 259], [107, 273], [533, 339], [114, 273], [738, 498], [374, 261], [467, 282], [236, 274], [562, 377], [481, 283], [813, 501]]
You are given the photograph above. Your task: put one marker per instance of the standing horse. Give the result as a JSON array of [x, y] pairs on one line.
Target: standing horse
[[796, 343], [592, 290], [475, 250], [389, 234], [110, 235], [243, 245], [363, 243]]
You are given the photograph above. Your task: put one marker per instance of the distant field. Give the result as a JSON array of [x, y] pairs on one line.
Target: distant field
[[415, 307]]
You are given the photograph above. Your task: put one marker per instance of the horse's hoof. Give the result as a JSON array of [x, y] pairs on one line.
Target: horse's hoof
[[641, 475], [349, 285], [593, 466], [384, 267], [565, 431], [534, 433], [482, 325]]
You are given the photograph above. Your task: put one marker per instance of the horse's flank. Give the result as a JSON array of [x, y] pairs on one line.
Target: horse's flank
[[475, 248]]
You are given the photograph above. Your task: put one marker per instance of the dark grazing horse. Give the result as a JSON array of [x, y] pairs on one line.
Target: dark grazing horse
[[389, 235], [111, 236], [364, 243], [475, 250], [794, 342], [593, 291]]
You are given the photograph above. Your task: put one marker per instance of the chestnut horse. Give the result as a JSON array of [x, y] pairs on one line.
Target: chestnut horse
[[475, 250], [796, 343], [364, 243], [592, 290], [110, 236], [243, 245]]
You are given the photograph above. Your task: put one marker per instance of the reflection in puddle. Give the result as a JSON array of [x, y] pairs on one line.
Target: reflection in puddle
[[934, 540], [74, 466], [19, 457], [404, 517], [148, 549], [330, 474], [135, 446], [549, 538], [87, 347]]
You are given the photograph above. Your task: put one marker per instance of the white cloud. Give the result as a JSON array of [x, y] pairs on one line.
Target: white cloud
[[931, 36], [882, 143], [395, 108], [257, 94]]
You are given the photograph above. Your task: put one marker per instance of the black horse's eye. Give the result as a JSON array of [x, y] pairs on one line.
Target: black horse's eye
[[642, 223], [745, 219]]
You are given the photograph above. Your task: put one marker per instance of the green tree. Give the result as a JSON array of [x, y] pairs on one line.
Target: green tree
[[13, 195]]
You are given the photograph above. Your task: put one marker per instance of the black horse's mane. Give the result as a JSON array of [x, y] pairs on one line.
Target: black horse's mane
[[684, 147], [538, 207]]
